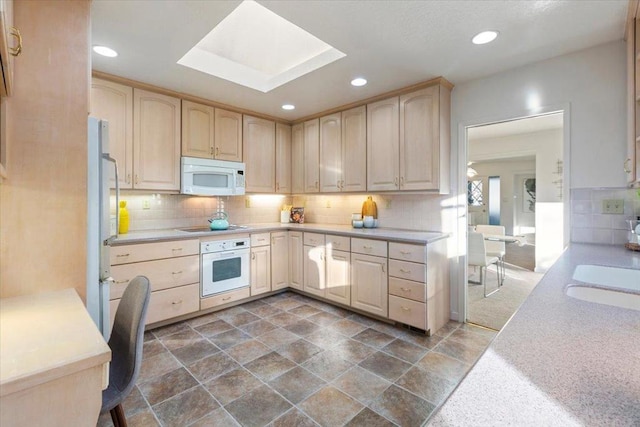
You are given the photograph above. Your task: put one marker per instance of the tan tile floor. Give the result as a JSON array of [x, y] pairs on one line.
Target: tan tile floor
[[289, 360]]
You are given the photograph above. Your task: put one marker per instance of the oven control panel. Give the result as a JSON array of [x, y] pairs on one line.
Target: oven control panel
[[224, 245]]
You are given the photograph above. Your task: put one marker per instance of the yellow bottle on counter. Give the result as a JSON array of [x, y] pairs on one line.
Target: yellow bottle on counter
[[369, 208], [123, 218]]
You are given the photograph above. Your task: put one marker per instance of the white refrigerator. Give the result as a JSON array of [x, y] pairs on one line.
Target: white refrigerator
[[101, 229]]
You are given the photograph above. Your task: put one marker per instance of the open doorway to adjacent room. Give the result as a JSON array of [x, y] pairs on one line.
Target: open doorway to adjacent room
[[514, 184]]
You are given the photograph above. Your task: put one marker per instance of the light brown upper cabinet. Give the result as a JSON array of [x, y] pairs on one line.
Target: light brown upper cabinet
[[312, 156], [424, 139], [228, 135], [414, 129], [10, 46], [211, 133], [383, 145], [156, 141], [283, 158], [197, 130], [343, 148], [330, 153], [259, 154], [114, 102], [632, 161], [297, 158]]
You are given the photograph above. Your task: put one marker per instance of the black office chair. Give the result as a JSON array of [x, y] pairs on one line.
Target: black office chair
[[126, 347]]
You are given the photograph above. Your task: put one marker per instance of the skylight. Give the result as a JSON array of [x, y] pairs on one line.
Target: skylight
[[257, 48]]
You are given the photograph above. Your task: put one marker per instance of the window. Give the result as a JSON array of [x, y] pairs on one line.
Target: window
[[474, 193]]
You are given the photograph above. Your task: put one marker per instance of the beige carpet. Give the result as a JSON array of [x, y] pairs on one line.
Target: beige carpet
[[494, 311]]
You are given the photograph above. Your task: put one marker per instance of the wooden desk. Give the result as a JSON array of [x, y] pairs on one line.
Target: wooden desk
[[54, 363]]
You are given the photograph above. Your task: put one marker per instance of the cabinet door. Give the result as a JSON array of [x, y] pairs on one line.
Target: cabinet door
[[297, 158], [197, 130], [330, 153], [6, 40], [314, 278], [260, 270], [383, 149], [369, 284], [312, 156], [114, 102], [283, 158], [279, 260], [338, 276], [260, 154], [228, 135], [296, 261], [354, 149], [420, 140], [156, 141]]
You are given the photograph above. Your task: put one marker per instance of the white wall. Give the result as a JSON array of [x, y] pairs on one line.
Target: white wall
[[589, 84]]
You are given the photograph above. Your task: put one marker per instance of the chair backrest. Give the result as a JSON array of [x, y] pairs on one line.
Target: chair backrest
[[477, 254], [496, 230], [127, 335]]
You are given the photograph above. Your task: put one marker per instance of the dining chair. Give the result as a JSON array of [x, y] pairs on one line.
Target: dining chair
[[477, 256], [495, 248], [126, 347]]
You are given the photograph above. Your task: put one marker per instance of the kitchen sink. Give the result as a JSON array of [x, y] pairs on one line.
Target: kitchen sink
[[614, 286]]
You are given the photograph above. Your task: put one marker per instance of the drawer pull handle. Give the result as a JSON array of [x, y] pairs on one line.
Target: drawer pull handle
[[176, 272], [406, 309], [177, 302], [226, 299], [405, 252], [367, 247], [176, 249], [260, 240], [336, 243], [121, 255], [402, 270], [122, 281], [405, 289]]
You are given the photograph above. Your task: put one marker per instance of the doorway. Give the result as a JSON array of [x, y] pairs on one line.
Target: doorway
[[513, 185]]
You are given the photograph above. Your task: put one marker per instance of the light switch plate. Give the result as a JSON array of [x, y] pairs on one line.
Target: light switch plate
[[613, 206], [146, 204]]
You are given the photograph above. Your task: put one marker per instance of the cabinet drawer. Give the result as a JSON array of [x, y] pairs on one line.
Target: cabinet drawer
[[408, 312], [407, 252], [260, 239], [149, 251], [338, 243], [313, 239], [174, 302], [407, 289], [224, 298], [167, 304], [162, 274], [369, 247], [408, 270]]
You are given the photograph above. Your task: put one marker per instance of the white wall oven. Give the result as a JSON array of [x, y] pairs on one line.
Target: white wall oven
[[224, 265]]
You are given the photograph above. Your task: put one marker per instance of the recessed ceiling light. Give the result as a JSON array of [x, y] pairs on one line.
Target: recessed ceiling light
[[288, 107], [484, 37], [359, 82], [105, 51]]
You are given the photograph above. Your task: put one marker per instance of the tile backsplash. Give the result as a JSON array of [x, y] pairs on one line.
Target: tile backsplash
[[588, 222], [149, 211]]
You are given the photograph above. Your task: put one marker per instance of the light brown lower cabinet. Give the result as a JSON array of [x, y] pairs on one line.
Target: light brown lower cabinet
[[314, 270], [279, 260], [260, 276], [369, 284], [338, 276], [296, 260]]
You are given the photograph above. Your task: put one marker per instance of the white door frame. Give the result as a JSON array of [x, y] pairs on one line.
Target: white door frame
[[459, 267]]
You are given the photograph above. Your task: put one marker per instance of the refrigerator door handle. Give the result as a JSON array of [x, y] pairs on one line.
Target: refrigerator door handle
[[108, 158]]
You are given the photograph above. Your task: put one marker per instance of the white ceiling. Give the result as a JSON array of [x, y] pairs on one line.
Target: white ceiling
[[391, 43]]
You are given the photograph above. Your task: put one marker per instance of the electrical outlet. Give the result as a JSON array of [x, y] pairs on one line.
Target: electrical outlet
[[328, 204], [247, 202], [146, 204], [613, 206], [387, 203]]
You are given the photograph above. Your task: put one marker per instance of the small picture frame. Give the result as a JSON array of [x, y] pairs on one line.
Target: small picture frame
[[297, 215]]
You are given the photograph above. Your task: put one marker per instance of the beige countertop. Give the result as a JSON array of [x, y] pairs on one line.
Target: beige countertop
[[45, 337], [559, 361], [399, 235]]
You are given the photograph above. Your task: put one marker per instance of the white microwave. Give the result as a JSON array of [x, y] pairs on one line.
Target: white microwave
[[206, 177]]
